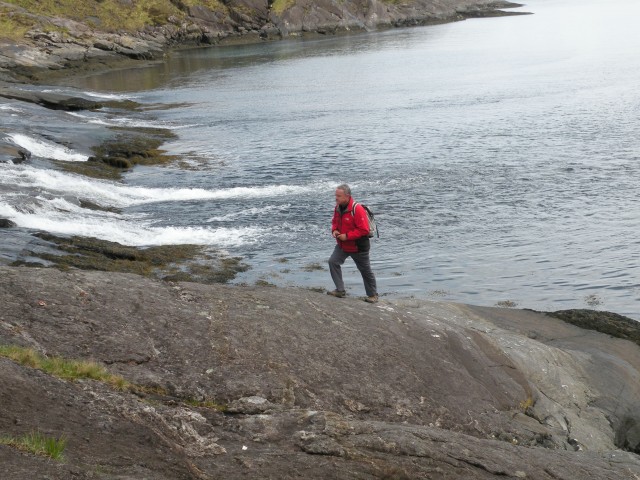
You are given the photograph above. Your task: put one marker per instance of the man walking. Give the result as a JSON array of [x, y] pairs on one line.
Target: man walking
[[351, 230]]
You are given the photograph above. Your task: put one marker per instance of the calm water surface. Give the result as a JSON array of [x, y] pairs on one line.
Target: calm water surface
[[501, 156]]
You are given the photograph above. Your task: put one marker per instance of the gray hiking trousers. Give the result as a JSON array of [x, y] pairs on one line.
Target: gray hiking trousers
[[361, 260]]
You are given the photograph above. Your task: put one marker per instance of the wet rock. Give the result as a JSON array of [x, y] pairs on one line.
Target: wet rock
[[169, 262], [53, 101], [604, 322], [14, 154], [122, 152], [6, 223], [23, 155], [269, 31], [88, 204]]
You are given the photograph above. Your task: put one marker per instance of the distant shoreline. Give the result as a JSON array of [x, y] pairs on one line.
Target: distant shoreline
[[49, 57]]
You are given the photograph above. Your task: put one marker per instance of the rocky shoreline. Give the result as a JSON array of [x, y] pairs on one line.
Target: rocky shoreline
[[66, 45], [262, 382]]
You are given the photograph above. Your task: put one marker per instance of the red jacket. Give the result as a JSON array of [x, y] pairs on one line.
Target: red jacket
[[355, 228]]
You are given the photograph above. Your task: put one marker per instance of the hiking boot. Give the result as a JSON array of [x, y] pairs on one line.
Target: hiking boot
[[337, 293], [372, 299]]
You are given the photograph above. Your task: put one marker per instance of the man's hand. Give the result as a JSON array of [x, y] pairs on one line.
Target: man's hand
[[336, 234]]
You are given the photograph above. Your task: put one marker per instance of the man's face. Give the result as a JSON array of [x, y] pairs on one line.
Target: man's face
[[342, 198]]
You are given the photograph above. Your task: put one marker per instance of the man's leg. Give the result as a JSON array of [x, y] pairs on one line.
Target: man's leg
[[364, 265], [335, 267]]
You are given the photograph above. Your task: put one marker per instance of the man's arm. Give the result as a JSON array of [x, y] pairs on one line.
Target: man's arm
[[334, 224]]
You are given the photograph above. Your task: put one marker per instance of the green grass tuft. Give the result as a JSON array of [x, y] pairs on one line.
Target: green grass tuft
[[73, 369], [39, 444], [206, 404], [63, 368], [12, 27], [279, 6]]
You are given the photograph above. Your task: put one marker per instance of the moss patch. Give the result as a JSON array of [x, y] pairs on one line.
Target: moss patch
[[119, 154], [213, 5], [169, 262], [129, 149], [92, 168], [605, 322], [279, 6], [108, 15], [13, 26], [313, 267]]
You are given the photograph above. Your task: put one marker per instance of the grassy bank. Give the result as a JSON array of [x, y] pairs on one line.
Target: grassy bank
[[104, 15]]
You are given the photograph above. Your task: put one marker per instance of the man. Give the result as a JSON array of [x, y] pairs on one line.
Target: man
[[352, 236]]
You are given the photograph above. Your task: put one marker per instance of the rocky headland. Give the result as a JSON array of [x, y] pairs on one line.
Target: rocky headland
[[261, 382]]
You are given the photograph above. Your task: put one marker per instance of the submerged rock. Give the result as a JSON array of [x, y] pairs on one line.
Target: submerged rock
[[168, 262], [53, 101], [605, 322], [13, 154], [6, 223], [138, 146]]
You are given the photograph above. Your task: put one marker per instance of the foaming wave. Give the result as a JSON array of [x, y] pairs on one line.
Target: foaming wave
[[9, 108], [109, 96], [248, 212], [39, 147], [127, 122], [106, 96], [72, 220], [112, 194], [139, 195]]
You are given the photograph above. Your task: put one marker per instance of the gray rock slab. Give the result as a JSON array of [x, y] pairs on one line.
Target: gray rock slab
[[311, 386], [49, 100]]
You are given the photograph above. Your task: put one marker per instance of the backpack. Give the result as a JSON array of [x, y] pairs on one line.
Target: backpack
[[370, 217]]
